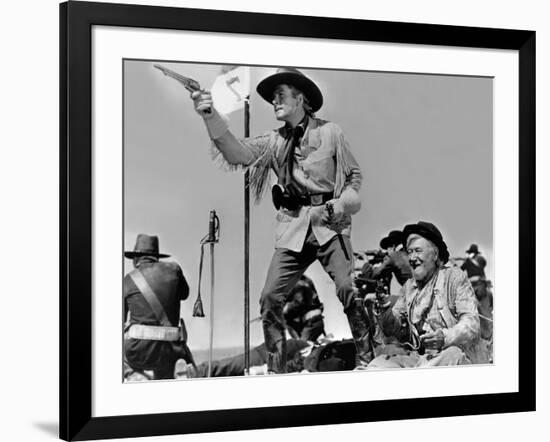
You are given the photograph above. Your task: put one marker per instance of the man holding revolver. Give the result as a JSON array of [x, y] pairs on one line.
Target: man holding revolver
[[318, 180]]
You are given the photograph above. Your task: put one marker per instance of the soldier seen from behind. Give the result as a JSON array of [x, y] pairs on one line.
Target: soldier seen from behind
[[154, 335]]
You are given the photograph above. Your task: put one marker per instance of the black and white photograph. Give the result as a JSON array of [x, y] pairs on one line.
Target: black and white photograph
[[289, 220]]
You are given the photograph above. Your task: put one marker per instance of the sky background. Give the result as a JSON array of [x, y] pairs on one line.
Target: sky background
[[424, 144]]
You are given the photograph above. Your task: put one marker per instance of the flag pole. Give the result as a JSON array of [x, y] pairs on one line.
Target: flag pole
[[246, 247]]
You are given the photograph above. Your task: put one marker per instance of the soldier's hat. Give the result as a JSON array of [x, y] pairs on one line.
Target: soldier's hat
[[146, 245], [293, 77], [473, 249], [430, 232], [394, 237]]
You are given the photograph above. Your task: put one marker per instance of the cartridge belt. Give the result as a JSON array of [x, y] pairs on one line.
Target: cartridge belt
[[154, 333]]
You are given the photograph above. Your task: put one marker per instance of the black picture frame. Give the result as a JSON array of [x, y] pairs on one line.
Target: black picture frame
[[76, 239]]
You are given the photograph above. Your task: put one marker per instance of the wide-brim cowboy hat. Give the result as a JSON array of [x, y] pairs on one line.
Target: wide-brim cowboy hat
[[473, 249], [431, 233], [293, 77], [394, 237], [146, 245]]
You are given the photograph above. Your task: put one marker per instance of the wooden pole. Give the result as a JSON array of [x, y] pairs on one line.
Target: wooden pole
[[246, 247]]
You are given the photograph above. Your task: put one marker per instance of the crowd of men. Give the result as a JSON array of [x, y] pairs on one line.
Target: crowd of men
[[434, 320]]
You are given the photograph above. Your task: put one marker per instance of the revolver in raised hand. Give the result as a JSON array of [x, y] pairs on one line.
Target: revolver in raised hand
[[189, 84]]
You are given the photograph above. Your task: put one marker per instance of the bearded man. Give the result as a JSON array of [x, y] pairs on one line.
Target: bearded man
[[436, 315]]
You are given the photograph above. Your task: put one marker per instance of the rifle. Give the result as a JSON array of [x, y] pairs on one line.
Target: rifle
[[366, 284], [375, 256]]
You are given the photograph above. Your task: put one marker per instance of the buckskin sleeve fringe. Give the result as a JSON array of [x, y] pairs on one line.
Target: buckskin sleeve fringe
[[263, 148], [259, 169], [259, 175], [343, 167], [220, 161]]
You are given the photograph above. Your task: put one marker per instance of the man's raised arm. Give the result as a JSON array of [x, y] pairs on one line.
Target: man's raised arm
[[230, 147]]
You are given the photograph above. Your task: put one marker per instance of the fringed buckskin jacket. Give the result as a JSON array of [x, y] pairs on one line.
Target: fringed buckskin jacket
[[323, 164]]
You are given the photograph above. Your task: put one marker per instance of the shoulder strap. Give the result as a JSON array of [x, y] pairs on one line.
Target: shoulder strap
[[475, 262], [149, 295]]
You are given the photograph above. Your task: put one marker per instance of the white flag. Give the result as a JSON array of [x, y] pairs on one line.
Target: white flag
[[231, 88]]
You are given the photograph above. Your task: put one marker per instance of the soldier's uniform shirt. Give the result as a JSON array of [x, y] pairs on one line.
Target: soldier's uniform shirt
[[168, 283], [475, 266]]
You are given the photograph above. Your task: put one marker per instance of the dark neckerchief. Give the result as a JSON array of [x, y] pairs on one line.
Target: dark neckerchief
[[299, 130], [293, 136]]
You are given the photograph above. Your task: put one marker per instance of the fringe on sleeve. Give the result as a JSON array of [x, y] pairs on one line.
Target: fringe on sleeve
[[260, 169], [263, 147], [221, 162], [343, 166]]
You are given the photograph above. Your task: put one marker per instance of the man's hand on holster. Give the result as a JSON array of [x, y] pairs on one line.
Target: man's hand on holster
[[203, 103]]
